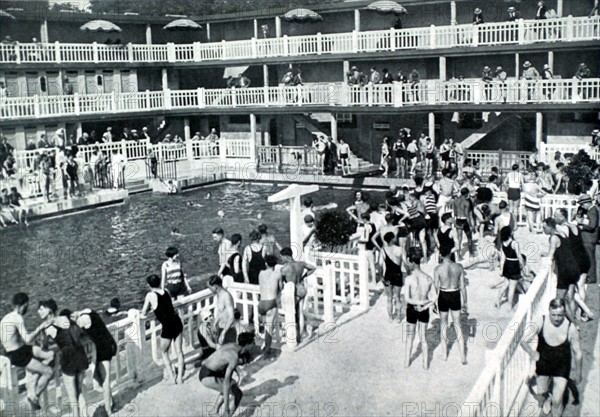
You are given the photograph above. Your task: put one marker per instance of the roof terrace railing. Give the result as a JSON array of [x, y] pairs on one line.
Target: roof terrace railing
[[521, 32], [426, 92]]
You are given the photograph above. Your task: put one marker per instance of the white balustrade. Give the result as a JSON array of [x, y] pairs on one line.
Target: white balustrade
[[502, 33], [431, 92], [507, 366]]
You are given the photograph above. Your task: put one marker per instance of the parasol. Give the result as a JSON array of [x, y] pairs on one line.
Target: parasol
[[182, 24], [386, 6], [100, 26], [301, 16]]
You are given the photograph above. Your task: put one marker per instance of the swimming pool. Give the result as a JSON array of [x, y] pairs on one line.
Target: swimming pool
[[84, 260]]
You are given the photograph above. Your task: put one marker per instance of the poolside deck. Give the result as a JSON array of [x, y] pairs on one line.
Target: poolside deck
[[357, 368]]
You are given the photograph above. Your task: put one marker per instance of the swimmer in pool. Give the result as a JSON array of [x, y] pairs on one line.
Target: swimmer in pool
[[175, 232], [207, 196]]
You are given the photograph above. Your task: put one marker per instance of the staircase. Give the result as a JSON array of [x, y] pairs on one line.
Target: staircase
[[495, 120], [137, 187], [315, 124]]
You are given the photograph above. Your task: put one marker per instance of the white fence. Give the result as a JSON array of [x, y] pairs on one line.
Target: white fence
[[426, 92], [138, 340], [567, 29], [548, 151], [507, 367]]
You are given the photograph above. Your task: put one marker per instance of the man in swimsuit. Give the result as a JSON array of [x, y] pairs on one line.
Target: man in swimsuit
[[393, 256], [16, 342], [217, 370], [420, 296], [449, 280], [224, 314], [463, 213], [447, 188], [272, 247], [296, 271], [343, 155], [270, 284], [446, 238], [558, 341], [224, 245], [565, 263]]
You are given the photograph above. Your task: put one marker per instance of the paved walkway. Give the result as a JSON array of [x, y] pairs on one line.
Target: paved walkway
[[355, 370]]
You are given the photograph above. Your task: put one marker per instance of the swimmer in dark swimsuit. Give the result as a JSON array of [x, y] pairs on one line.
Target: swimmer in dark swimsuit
[[270, 284], [420, 296], [558, 343], [392, 276], [449, 279], [217, 370]]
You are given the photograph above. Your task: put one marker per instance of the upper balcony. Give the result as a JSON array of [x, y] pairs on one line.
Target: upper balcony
[[427, 95], [433, 39]]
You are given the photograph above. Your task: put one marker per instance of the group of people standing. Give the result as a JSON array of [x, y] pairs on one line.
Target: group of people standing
[[63, 336]]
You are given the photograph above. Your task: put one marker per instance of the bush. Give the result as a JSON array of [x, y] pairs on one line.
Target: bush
[[579, 171], [334, 228]]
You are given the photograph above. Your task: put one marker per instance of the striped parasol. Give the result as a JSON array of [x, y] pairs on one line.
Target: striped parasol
[[182, 24], [301, 16], [100, 26], [386, 6], [6, 15]]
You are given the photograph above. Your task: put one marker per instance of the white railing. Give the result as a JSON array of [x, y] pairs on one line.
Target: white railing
[[138, 340], [286, 156], [521, 32], [547, 151], [349, 275], [503, 160], [426, 92], [507, 366]]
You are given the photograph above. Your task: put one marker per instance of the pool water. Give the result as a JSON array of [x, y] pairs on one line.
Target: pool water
[[86, 259]]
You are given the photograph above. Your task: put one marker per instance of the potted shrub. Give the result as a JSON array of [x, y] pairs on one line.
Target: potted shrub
[[333, 229], [579, 171]]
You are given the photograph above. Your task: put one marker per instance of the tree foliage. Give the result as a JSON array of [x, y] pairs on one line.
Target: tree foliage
[[334, 228], [579, 171]]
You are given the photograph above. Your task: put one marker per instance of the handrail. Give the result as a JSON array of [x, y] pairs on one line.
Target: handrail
[[424, 93], [521, 32], [507, 366]]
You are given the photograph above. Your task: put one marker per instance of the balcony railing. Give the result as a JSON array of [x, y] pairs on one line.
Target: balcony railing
[[426, 92], [521, 32]]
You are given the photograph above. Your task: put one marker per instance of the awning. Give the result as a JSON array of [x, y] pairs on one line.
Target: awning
[[234, 71]]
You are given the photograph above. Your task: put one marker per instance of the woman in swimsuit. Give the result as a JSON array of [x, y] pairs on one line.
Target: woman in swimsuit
[[512, 266], [173, 278], [392, 274], [73, 360], [160, 301]]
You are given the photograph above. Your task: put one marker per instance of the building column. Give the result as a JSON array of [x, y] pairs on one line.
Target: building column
[[517, 66], [81, 85], [208, 31], [431, 126], [255, 29], [551, 60], [334, 126], [165, 79], [559, 8], [253, 144], [117, 81], [357, 20], [453, 13], [20, 140], [265, 75], [79, 130], [539, 130], [60, 81], [44, 31], [277, 27], [186, 129], [443, 68], [22, 83], [148, 35], [345, 68]]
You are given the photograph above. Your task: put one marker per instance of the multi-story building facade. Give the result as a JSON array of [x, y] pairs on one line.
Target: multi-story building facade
[[179, 79]]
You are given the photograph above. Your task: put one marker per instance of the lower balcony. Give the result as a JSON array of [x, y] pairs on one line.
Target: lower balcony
[[426, 95]]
